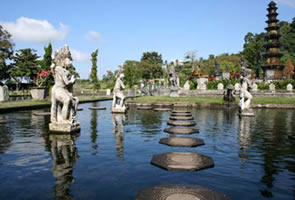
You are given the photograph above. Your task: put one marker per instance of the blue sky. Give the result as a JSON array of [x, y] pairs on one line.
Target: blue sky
[[124, 29]]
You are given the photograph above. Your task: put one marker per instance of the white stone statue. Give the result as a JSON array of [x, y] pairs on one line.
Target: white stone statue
[[63, 103], [4, 92], [245, 95], [118, 105]]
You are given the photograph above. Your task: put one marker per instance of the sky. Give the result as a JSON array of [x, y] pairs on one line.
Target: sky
[[123, 29]]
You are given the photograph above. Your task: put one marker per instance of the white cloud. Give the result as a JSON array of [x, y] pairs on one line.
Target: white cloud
[[79, 56], [290, 3], [34, 30], [92, 36]]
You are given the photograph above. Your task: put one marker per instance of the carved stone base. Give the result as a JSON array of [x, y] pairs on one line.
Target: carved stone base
[[64, 127], [119, 110], [246, 113]]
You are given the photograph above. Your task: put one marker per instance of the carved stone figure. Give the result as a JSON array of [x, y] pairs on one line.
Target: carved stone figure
[[118, 105], [174, 80], [63, 103], [245, 95], [4, 92]]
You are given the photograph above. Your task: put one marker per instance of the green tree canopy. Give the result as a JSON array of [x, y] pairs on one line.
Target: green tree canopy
[[93, 74], [151, 65], [6, 51], [132, 72], [25, 65], [47, 59]]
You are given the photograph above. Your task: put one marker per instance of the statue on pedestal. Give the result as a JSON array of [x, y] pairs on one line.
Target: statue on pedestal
[[174, 80], [245, 95], [63, 103], [118, 105]]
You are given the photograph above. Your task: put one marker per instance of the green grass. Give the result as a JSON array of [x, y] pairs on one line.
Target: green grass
[[216, 100]]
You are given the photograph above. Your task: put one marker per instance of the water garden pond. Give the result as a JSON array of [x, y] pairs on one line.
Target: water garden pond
[[110, 158]]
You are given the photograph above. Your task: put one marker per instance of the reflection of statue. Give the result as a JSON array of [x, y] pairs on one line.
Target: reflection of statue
[[63, 104], [118, 121], [228, 94], [118, 105], [245, 95], [65, 154]]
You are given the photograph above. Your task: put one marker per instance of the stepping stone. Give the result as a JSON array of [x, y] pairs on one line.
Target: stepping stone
[[79, 109], [97, 108], [144, 104], [163, 104], [182, 141], [181, 123], [184, 131], [162, 109], [181, 118], [182, 105], [4, 121], [41, 113], [181, 111], [179, 192], [145, 108], [182, 161], [181, 114]]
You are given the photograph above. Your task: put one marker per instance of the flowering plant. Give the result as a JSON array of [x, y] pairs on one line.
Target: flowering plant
[[43, 78]]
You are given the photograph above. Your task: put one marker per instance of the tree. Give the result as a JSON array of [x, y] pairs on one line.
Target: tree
[[93, 74], [25, 65], [6, 51], [47, 59], [151, 65], [254, 50], [287, 40], [132, 72], [108, 80]]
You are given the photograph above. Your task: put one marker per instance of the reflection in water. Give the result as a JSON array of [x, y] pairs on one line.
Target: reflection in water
[[118, 124], [93, 125], [245, 134], [5, 134], [64, 154]]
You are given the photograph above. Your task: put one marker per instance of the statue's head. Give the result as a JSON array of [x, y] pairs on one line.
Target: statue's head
[[62, 57]]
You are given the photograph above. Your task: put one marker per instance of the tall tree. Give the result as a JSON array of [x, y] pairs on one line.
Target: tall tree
[[287, 40], [6, 51], [25, 65], [47, 59], [93, 74], [151, 65], [254, 50], [132, 72]]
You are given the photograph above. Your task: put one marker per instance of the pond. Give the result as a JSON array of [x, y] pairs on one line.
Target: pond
[[110, 158]]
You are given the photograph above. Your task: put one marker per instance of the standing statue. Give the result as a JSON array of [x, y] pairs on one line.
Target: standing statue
[[63, 103], [245, 95], [118, 105], [173, 77]]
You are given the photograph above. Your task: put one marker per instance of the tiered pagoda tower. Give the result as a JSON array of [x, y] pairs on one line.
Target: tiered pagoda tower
[[273, 67]]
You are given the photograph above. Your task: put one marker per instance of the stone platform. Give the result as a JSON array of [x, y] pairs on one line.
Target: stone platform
[[181, 118], [181, 114], [42, 113], [118, 110], [162, 109], [182, 161], [97, 108], [144, 108], [58, 127], [181, 123], [179, 192], [182, 141], [181, 111], [184, 131]]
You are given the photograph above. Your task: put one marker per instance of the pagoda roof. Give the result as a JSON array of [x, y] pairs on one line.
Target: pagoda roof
[[272, 3], [269, 28], [272, 14], [272, 45], [272, 21], [271, 54]]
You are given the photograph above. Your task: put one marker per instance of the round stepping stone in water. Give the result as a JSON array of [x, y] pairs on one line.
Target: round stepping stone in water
[[163, 104], [183, 131], [181, 123], [181, 118], [178, 192], [79, 109], [181, 114], [97, 108], [145, 108], [182, 141], [2, 121], [41, 113], [181, 111], [182, 161], [162, 109]]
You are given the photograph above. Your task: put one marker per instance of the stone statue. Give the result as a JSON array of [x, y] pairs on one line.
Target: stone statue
[[63, 103], [4, 92], [173, 77], [118, 105], [245, 95]]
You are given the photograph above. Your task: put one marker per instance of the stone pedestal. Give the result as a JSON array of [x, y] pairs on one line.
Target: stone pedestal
[[118, 110], [4, 93], [290, 87], [174, 92], [220, 86], [108, 93], [186, 86], [225, 75], [60, 127], [202, 83]]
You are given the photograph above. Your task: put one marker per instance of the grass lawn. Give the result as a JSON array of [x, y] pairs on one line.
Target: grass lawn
[[216, 100]]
